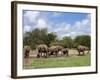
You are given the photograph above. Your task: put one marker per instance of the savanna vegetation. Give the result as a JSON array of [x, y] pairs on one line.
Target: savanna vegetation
[[41, 36], [71, 61]]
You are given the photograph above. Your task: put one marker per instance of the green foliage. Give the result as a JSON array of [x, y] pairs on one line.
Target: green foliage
[[27, 39], [75, 45], [38, 36], [67, 42], [55, 43], [41, 36], [51, 37], [84, 40]]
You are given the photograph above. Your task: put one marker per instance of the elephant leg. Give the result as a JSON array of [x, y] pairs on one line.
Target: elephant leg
[[42, 54], [26, 55], [38, 55], [88, 52], [67, 53], [83, 52], [49, 54], [56, 54], [46, 55], [62, 53], [79, 53]]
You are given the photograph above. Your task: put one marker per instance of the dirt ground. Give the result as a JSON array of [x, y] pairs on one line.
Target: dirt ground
[[33, 53]]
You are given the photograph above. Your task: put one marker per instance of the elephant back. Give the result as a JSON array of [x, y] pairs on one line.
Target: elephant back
[[42, 46]]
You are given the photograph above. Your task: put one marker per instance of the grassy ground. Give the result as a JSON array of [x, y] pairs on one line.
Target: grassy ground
[[70, 61]]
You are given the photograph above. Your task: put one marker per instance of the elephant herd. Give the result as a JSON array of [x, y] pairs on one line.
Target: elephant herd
[[45, 51]]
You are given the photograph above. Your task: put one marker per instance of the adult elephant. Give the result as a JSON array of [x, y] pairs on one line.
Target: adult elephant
[[54, 50], [65, 51], [42, 50], [82, 49], [26, 51]]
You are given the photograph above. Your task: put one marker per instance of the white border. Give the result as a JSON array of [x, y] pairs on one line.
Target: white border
[[22, 72]]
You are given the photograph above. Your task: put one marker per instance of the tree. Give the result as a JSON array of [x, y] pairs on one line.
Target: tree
[[38, 36], [26, 38], [84, 40], [51, 38], [41, 36], [67, 42]]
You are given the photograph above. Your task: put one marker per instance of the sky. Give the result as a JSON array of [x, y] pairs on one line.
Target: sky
[[62, 23]]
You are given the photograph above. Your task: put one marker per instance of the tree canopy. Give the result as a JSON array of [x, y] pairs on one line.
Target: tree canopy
[[41, 36], [84, 40]]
